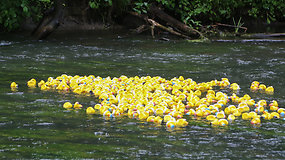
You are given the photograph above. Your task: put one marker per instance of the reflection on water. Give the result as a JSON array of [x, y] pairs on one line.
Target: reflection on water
[[34, 125]]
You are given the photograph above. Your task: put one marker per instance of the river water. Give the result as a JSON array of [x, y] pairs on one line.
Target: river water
[[33, 124]]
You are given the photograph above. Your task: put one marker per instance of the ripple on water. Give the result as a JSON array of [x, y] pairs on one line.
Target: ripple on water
[[5, 43]]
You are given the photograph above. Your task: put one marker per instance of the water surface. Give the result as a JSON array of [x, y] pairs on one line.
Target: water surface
[[33, 123]]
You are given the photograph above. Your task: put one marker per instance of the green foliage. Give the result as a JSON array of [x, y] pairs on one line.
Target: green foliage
[[191, 12], [13, 12], [101, 7], [196, 12]]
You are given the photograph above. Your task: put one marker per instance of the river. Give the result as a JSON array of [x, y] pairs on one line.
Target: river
[[34, 125]]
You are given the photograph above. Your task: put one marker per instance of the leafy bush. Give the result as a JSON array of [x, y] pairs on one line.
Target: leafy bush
[[13, 12], [191, 12]]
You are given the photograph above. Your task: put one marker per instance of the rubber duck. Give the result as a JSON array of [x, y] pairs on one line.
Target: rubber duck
[[159, 112], [280, 110], [236, 113], [234, 87], [42, 82], [234, 98], [181, 123], [231, 117], [266, 115], [255, 121], [150, 119], [97, 106], [199, 113], [32, 83], [211, 118], [167, 118], [245, 116], [262, 103], [269, 90], [77, 105], [171, 124], [215, 122], [273, 108], [262, 87], [67, 105], [253, 88], [191, 112], [90, 110], [252, 115], [274, 103], [107, 114], [259, 109], [250, 102], [157, 120], [143, 115], [14, 85], [223, 122], [220, 115], [274, 115]]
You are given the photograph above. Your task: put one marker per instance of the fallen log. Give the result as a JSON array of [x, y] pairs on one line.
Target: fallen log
[[156, 11], [170, 30]]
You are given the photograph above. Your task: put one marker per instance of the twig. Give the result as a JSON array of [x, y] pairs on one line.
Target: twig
[[232, 26]]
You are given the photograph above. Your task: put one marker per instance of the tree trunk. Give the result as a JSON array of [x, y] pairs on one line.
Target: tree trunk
[[50, 21]]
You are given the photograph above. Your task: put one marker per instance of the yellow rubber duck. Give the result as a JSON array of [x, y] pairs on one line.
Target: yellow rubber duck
[[159, 112], [262, 103], [42, 82], [97, 106], [273, 108], [67, 105], [150, 119], [181, 123], [245, 116], [90, 110], [280, 110], [266, 116], [215, 122], [231, 117], [77, 105], [262, 87], [274, 115], [157, 120], [171, 124], [252, 115], [223, 122], [255, 121], [274, 103], [269, 90], [143, 115], [220, 115], [191, 112], [13, 85], [234, 87], [236, 113], [167, 118], [107, 113], [32, 83], [211, 118]]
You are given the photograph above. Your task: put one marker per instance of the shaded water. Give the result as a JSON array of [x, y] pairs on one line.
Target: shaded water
[[33, 123]]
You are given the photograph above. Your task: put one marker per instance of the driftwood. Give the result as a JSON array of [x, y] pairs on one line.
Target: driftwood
[[154, 24], [156, 11], [170, 30]]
